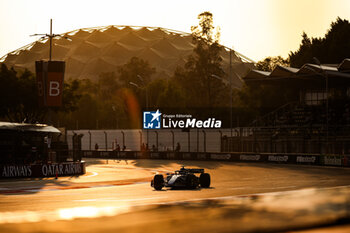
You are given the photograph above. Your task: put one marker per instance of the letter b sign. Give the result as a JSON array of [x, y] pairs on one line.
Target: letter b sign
[[50, 76], [54, 83], [54, 88]]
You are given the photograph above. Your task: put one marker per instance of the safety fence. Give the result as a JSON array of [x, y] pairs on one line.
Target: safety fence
[[208, 140], [310, 159], [290, 139]]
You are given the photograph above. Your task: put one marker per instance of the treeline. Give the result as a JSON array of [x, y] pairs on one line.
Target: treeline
[[333, 48]]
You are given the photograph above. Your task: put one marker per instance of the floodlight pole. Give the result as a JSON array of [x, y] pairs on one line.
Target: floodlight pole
[[146, 92], [50, 37], [144, 86], [327, 120], [231, 91]]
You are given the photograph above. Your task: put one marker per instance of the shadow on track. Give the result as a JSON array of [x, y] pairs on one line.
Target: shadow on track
[[30, 186]]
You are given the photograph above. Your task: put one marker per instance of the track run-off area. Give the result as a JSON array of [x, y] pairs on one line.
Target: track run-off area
[[116, 195]]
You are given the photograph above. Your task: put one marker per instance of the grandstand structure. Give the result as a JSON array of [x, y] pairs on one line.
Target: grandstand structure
[[88, 52], [316, 120]]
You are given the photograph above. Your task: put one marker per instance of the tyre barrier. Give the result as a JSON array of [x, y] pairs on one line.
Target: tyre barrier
[[308, 159]]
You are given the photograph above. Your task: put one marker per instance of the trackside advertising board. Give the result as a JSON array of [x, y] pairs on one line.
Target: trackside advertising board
[[42, 170], [340, 160]]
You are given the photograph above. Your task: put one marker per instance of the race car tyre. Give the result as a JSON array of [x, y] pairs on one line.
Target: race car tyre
[[204, 180], [158, 182], [191, 181]]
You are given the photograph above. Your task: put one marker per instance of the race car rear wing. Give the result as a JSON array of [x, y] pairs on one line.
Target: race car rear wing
[[195, 170]]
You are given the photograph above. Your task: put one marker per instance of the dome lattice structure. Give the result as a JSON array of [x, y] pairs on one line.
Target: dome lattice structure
[[88, 52]]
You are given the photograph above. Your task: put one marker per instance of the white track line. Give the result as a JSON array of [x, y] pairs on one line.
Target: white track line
[[93, 174]]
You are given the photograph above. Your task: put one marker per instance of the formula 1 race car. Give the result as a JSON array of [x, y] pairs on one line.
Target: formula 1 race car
[[183, 178]]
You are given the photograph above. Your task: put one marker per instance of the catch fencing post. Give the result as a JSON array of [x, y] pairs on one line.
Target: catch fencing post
[[173, 137], [189, 140], [197, 140], [205, 141], [106, 139], [140, 132], [89, 139], [156, 139], [221, 140], [123, 138]]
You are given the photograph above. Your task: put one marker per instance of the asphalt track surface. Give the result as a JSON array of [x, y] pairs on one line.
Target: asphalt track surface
[[112, 190]]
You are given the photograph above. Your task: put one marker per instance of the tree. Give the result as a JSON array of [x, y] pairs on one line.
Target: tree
[[136, 75], [269, 63], [18, 96], [332, 48], [172, 96], [134, 69], [109, 100], [155, 89], [70, 96], [108, 83], [196, 77], [84, 116]]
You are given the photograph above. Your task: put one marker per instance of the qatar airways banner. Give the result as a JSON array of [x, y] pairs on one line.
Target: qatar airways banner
[[50, 76], [42, 170]]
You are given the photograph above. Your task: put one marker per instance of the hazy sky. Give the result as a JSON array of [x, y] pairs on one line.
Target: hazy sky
[[255, 28]]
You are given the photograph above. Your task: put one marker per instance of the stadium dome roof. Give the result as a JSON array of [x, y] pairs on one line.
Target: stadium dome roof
[[91, 51]]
